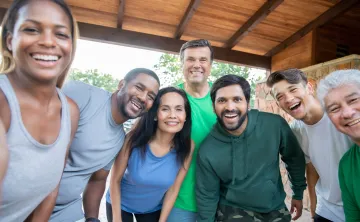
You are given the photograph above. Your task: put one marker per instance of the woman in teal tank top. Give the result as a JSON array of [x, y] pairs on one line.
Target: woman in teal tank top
[[148, 172]]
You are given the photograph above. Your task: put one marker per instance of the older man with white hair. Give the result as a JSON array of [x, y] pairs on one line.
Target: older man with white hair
[[339, 93]]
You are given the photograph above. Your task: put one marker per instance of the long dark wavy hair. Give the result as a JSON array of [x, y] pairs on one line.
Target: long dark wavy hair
[[145, 129]]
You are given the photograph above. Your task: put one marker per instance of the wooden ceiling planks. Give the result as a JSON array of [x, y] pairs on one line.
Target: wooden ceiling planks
[[259, 15], [284, 21], [157, 17], [218, 20], [194, 4], [240, 25], [325, 17]]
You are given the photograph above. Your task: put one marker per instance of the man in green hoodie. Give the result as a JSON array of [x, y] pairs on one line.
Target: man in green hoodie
[[237, 175]]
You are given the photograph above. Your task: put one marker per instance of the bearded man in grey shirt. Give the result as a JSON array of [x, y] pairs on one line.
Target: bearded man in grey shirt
[[98, 140]]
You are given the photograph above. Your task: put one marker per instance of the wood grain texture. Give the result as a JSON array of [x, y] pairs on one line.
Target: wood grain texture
[[250, 24]]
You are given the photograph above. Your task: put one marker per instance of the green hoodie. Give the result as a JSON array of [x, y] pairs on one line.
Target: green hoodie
[[243, 171]]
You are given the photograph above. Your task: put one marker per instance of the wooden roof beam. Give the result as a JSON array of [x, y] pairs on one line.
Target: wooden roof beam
[[193, 5], [250, 24], [334, 11], [121, 14], [164, 44]]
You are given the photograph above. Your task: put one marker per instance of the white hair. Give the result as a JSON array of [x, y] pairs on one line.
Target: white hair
[[336, 79]]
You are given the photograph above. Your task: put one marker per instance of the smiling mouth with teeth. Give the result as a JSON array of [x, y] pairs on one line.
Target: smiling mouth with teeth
[[46, 58], [231, 116], [295, 106], [136, 105], [353, 122]]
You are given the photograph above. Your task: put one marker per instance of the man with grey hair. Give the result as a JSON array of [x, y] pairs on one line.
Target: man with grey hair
[[196, 59], [339, 93], [294, 95]]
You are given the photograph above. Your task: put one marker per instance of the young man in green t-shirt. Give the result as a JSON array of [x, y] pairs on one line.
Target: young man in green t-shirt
[[196, 59], [339, 93]]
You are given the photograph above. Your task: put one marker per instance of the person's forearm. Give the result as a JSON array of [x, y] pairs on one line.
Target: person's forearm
[[92, 198], [115, 196], [312, 197], [168, 204], [45, 208], [311, 178]]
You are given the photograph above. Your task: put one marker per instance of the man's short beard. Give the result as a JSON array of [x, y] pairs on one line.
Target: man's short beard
[[237, 126]]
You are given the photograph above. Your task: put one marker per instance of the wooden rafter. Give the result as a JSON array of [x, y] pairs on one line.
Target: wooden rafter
[[159, 43], [121, 14], [193, 5], [259, 16], [334, 11]]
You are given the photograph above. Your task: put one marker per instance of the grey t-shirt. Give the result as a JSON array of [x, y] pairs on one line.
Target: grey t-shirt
[[34, 168], [97, 141]]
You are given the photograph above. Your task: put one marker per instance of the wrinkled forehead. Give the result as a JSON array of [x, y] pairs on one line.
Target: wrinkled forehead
[[341, 94]]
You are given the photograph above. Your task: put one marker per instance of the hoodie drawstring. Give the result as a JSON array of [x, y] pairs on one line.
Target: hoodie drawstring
[[233, 161]]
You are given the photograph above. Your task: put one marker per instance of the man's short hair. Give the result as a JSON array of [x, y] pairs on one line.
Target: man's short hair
[[228, 80], [132, 74], [195, 44], [336, 79], [292, 76]]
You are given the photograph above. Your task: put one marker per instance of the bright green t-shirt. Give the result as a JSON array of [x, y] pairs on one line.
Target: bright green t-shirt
[[349, 178], [203, 118]]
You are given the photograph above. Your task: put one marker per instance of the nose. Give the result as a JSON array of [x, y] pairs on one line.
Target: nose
[[197, 63], [288, 97], [47, 39], [172, 113], [230, 106], [142, 96], [347, 112]]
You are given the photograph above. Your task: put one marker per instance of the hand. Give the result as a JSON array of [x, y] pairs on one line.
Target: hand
[[296, 206], [312, 210]]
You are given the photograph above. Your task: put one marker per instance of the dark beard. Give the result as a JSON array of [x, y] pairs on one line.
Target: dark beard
[[122, 108], [239, 123]]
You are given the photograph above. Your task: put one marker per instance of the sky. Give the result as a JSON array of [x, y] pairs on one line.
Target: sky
[[118, 60]]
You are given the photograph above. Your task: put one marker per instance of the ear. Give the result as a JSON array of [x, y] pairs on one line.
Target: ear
[[310, 88], [121, 84], [9, 39]]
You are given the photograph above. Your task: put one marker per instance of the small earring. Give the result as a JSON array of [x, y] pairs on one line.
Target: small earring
[[155, 119]]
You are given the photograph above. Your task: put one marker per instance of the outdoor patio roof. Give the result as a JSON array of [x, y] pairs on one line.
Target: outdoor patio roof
[[245, 32]]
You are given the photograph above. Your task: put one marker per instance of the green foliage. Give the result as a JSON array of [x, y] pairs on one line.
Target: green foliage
[[170, 72], [95, 78]]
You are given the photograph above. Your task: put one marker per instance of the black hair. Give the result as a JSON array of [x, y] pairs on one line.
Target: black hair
[[145, 129], [228, 80], [132, 74], [292, 76], [194, 44]]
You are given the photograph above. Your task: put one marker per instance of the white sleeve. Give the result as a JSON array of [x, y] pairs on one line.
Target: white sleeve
[[298, 129]]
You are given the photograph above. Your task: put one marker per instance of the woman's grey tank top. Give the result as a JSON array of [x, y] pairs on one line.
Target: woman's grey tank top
[[34, 169]]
